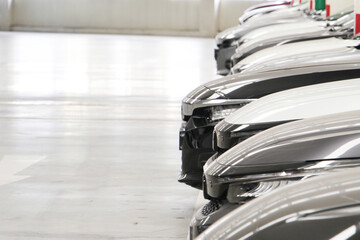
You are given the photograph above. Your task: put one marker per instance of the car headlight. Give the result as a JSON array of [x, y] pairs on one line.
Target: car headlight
[[221, 112], [214, 102], [252, 186]]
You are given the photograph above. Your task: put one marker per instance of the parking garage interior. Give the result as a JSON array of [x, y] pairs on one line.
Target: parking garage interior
[[90, 111]]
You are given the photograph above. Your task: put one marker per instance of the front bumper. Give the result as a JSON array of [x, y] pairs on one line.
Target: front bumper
[[214, 187], [217, 185], [208, 215], [195, 142], [196, 136], [223, 59], [227, 135]]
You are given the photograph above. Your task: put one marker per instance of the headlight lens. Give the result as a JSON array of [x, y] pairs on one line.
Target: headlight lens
[[242, 192], [252, 186], [221, 112]]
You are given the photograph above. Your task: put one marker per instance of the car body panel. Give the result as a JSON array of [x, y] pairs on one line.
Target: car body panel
[[343, 56], [226, 40], [280, 15], [294, 104], [266, 37], [299, 103], [312, 196], [320, 145], [294, 50], [268, 32], [291, 14], [273, 33], [263, 8], [248, 86], [196, 133], [288, 146], [316, 134], [269, 3]]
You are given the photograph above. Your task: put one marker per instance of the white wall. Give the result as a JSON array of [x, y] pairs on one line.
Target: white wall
[[5, 14], [110, 15], [338, 6], [169, 17]]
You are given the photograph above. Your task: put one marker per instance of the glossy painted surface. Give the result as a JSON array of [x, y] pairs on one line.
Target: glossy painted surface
[[283, 149], [261, 9], [295, 50], [281, 153], [335, 136], [268, 33], [234, 91], [293, 14], [248, 86], [340, 26], [268, 4], [226, 40], [288, 29], [265, 38], [89, 140], [300, 103], [288, 13], [287, 203], [344, 57]]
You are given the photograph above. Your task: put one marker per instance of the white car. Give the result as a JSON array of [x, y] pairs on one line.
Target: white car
[[226, 40], [271, 110], [277, 55], [286, 106], [269, 36]]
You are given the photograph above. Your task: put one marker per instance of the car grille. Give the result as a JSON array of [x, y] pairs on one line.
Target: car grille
[[210, 207]]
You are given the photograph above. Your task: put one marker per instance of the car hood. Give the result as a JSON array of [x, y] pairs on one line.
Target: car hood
[[268, 4], [261, 9], [235, 89], [300, 103], [294, 50], [281, 14], [328, 137], [282, 31], [203, 92], [289, 30], [343, 56], [292, 14], [324, 192]]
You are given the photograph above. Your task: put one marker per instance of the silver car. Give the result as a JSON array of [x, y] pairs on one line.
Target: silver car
[[325, 207], [278, 157], [293, 32], [226, 40], [205, 106]]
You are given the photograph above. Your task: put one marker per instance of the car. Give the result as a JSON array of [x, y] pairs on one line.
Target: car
[[313, 58], [263, 8], [278, 157], [265, 37], [226, 40], [208, 104], [282, 32], [282, 107], [325, 207], [292, 51]]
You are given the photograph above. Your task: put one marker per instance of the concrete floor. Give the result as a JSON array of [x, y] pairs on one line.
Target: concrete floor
[[89, 134]]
